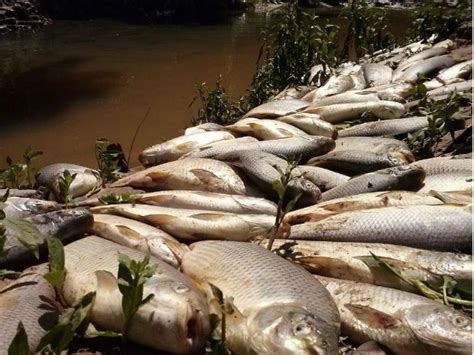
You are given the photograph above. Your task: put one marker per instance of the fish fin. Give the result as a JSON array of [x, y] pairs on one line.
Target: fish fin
[[106, 281], [206, 177], [210, 216], [186, 146], [451, 198], [285, 132], [160, 219], [372, 317], [159, 176], [156, 200], [258, 231], [128, 232], [322, 265]]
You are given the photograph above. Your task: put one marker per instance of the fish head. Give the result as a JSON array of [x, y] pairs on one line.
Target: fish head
[[440, 326], [149, 156], [20, 207], [288, 329], [410, 177], [64, 223], [168, 250], [310, 193], [180, 306]]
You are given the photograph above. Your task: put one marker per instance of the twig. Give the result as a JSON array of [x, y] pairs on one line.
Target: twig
[[136, 133]]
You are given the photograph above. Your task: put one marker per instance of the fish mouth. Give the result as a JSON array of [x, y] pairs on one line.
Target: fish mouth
[[193, 327]]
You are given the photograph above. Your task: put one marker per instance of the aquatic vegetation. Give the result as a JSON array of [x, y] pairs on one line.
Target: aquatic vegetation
[[113, 198], [431, 19], [19, 344], [64, 182], [217, 343], [110, 159], [19, 175]]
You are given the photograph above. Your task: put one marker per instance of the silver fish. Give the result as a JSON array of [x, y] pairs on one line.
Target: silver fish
[[348, 97], [403, 322], [348, 261], [265, 129], [377, 74], [373, 144], [404, 177], [277, 108], [444, 228], [32, 301], [285, 310], [195, 224], [311, 124], [419, 57], [342, 112], [293, 93], [464, 86], [86, 182], [39, 193], [324, 179], [177, 147], [450, 75], [386, 128], [140, 236], [210, 201], [204, 127], [21, 207], [176, 318], [187, 174], [201, 152], [362, 201], [424, 68], [335, 85]]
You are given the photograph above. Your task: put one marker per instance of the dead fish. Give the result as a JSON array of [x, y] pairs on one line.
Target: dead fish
[[21, 207], [450, 75], [388, 91], [63, 224], [284, 310], [447, 175], [204, 127], [396, 178], [316, 74], [361, 161], [444, 228], [368, 348], [40, 193], [262, 169], [342, 112], [195, 224], [277, 108], [177, 147], [361, 201], [139, 236], [335, 85], [226, 144], [187, 174], [176, 318], [347, 97], [464, 86], [403, 322], [294, 93], [424, 68], [350, 261], [265, 129], [386, 128], [419, 57], [356, 73], [373, 144], [86, 182], [324, 179], [377, 74], [311, 124], [305, 147], [32, 301], [209, 201]]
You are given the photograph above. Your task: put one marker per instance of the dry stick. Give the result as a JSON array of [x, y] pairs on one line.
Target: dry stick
[[136, 133]]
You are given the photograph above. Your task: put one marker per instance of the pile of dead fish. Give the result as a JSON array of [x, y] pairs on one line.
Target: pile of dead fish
[[205, 203]]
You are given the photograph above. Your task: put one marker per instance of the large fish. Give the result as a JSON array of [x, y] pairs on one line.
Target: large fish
[[285, 311], [226, 144], [210, 201], [389, 91], [397, 178], [445, 228], [63, 224], [342, 112], [362, 161], [293, 92], [386, 128], [176, 147], [450, 75], [447, 175], [377, 74], [426, 67], [187, 174], [265, 129], [359, 202], [324, 179], [373, 144], [311, 124], [40, 193], [195, 224], [305, 147], [204, 127], [347, 97], [263, 169], [335, 85], [277, 108], [86, 182], [21, 207], [349, 261], [140, 236], [176, 318], [403, 322], [32, 301], [419, 57]]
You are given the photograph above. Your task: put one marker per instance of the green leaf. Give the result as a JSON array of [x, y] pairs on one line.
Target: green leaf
[[57, 339], [9, 273], [26, 232], [19, 344], [277, 185], [55, 278], [217, 293], [4, 198], [292, 203], [56, 263]]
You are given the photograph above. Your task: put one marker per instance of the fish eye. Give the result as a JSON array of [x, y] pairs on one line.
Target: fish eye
[[461, 322], [181, 289]]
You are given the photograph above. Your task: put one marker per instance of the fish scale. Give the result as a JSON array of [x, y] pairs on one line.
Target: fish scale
[[256, 278], [383, 128]]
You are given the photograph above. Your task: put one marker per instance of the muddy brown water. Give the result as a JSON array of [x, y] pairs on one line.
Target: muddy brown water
[[70, 83]]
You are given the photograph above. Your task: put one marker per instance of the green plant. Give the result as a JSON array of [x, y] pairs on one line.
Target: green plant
[[284, 205], [64, 182], [18, 175], [431, 19], [19, 344], [113, 198], [444, 118], [57, 272], [110, 159], [367, 30], [132, 276]]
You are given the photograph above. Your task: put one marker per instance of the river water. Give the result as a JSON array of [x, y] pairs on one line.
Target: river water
[[72, 82]]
